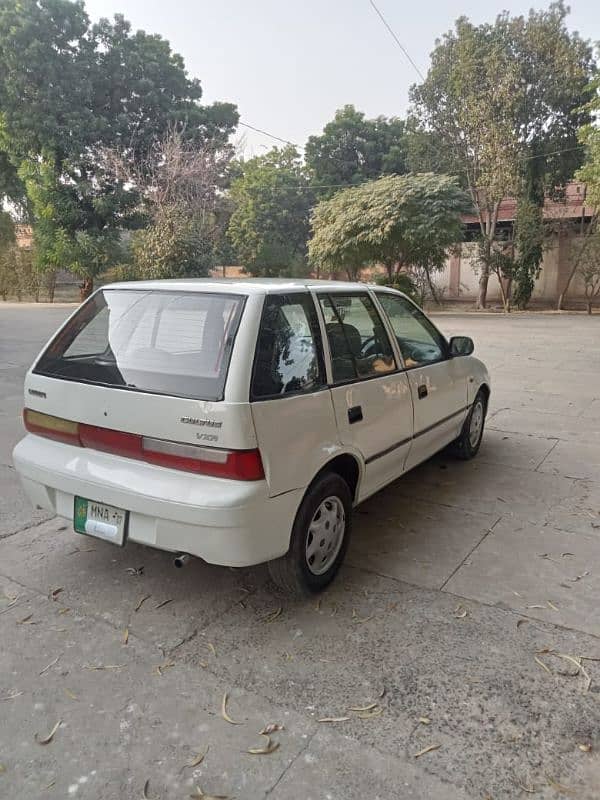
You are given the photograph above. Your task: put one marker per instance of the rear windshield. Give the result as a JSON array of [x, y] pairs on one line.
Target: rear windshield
[[175, 343]]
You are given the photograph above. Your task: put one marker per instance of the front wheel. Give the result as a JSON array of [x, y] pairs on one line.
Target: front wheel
[[468, 443], [319, 540]]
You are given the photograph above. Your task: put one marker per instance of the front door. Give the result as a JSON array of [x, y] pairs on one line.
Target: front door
[[371, 395], [438, 383]]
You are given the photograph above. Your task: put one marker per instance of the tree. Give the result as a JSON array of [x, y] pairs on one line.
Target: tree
[[400, 221], [589, 267], [70, 92], [589, 173], [269, 225], [353, 149], [503, 98], [178, 186]]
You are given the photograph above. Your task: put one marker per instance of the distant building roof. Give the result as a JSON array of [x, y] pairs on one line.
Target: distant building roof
[[564, 203]]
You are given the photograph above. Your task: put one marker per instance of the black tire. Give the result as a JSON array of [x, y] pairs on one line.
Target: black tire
[[292, 572], [463, 447]]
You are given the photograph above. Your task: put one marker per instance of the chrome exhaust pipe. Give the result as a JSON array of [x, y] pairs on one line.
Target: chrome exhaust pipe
[[182, 560]]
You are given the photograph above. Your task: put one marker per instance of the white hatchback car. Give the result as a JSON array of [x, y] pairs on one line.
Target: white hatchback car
[[241, 421]]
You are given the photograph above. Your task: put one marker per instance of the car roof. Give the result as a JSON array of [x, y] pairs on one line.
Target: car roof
[[242, 286]]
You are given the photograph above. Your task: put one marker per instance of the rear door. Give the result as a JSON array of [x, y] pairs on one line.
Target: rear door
[[290, 400], [371, 395], [438, 383]]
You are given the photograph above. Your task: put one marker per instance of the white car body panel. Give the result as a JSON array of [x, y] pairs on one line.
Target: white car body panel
[[298, 436], [236, 522]]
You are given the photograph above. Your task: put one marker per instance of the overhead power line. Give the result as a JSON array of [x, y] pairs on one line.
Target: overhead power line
[[270, 135], [397, 40]]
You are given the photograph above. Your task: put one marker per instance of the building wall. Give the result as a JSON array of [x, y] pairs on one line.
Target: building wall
[[460, 277]]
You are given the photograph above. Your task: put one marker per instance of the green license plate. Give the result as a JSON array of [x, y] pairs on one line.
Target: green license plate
[[100, 520]]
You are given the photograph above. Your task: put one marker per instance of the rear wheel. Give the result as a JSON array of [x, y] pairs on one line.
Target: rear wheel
[[319, 538], [468, 443]]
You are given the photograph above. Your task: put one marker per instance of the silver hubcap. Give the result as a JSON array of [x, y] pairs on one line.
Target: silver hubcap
[[325, 535], [476, 424]]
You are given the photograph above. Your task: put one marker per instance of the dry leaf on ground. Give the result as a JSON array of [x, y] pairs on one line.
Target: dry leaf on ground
[[428, 749], [272, 727], [272, 615], [363, 708], [166, 665], [141, 601], [198, 759], [542, 665], [51, 664], [377, 712], [269, 747], [559, 786], [528, 789], [199, 795], [47, 739], [11, 696], [358, 619], [224, 713]]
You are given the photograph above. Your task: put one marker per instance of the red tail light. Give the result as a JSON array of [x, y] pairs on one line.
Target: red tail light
[[241, 465]]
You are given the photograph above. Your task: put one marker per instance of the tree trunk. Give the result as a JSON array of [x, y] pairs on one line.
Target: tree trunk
[[483, 287], [489, 225], [51, 285], [589, 306], [86, 288], [432, 289]]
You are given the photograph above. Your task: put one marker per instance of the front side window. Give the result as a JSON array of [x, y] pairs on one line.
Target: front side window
[[419, 341], [360, 347], [288, 356], [176, 343]]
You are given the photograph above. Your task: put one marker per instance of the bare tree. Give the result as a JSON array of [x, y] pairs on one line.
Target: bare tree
[[180, 188]]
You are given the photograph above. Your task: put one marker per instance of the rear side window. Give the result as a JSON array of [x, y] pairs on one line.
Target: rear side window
[[176, 343], [288, 351], [360, 347]]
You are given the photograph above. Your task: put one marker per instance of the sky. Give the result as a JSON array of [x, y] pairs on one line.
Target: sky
[[289, 65]]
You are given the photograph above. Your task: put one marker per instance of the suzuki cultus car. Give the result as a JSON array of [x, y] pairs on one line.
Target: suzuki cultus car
[[241, 421]]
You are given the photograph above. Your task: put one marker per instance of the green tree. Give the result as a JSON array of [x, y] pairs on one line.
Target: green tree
[[503, 98], [69, 93], [589, 267], [269, 226], [353, 149], [400, 221], [589, 172]]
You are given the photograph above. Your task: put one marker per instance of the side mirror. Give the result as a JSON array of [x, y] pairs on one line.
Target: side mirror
[[461, 346]]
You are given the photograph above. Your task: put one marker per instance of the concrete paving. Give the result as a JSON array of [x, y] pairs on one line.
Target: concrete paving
[[467, 612]]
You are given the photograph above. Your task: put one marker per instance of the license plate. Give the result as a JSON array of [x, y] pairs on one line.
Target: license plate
[[100, 520]]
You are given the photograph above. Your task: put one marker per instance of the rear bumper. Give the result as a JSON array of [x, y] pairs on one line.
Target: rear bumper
[[233, 523]]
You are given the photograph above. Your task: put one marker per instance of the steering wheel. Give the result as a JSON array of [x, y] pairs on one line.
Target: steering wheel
[[368, 344]]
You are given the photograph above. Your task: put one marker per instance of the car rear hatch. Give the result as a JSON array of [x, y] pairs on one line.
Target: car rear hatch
[[141, 374]]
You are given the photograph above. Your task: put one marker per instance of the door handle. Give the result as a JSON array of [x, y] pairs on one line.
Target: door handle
[[355, 414], [422, 391]]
